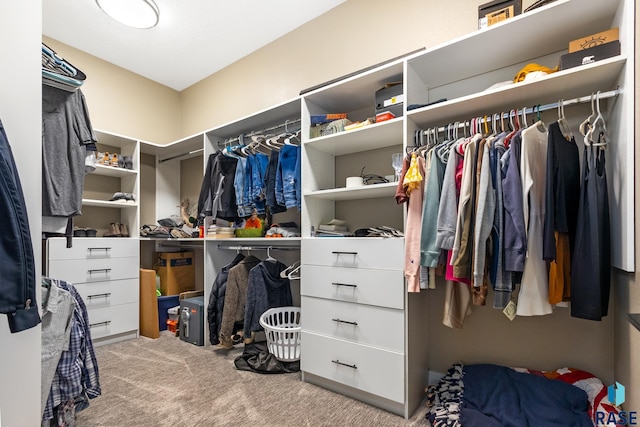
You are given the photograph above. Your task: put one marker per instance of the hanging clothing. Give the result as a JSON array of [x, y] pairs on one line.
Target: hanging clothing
[[448, 208], [562, 196], [591, 257], [216, 299], [463, 243], [76, 375], [57, 315], [287, 184], [270, 185], [515, 240], [484, 218], [533, 299], [267, 289], [413, 228], [429, 251], [501, 278], [66, 132], [217, 194], [17, 269], [236, 297]]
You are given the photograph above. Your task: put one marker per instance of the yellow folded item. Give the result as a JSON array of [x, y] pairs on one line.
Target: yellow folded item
[[530, 68]]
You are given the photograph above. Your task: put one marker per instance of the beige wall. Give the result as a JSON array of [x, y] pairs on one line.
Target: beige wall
[[352, 36], [123, 102]]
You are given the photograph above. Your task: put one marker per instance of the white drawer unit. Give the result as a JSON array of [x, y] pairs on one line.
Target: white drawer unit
[[92, 248], [376, 371], [353, 302], [109, 293], [108, 321], [363, 286], [365, 324], [105, 272], [94, 270], [366, 252]]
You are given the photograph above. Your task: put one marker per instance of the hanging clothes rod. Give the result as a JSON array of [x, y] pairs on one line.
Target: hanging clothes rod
[[257, 248], [262, 131], [536, 109]]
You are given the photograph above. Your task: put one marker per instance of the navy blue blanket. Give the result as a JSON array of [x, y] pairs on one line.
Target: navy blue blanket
[[493, 396]]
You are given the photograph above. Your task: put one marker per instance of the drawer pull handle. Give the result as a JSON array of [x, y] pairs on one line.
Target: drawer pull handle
[[344, 284], [105, 323], [100, 270], [337, 362], [105, 295], [345, 321], [99, 249], [344, 253]]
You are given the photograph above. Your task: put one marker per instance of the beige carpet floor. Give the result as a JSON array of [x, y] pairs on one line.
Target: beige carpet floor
[[167, 382]]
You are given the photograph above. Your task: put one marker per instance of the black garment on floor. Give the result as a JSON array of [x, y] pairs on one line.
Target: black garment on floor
[[591, 258], [256, 358]]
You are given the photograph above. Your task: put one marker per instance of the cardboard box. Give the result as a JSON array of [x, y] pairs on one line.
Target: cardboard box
[[594, 40], [496, 11], [592, 54], [176, 270], [148, 304]]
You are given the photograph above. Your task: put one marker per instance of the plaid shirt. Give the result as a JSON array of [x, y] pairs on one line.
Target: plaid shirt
[[76, 376]]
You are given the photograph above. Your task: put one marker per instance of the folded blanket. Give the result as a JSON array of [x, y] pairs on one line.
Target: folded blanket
[[487, 395]]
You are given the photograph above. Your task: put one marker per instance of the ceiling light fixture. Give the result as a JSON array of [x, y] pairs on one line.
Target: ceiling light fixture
[[142, 14]]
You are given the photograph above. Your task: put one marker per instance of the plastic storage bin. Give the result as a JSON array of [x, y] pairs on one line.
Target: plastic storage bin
[[164, 304], [282, 328]]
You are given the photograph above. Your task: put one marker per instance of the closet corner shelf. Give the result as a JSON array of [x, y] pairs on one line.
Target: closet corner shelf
[[107, 204], [634, 319], [377, 135], [387, 189], [573, 82], [113, 171]]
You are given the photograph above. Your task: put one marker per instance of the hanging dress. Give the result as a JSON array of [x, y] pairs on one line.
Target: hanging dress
[[590, 267], [534, 290]]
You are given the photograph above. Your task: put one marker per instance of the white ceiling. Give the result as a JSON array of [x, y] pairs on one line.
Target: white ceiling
[[194, 39]]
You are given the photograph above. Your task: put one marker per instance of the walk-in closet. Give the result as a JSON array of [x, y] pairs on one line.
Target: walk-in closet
[[379, 215]]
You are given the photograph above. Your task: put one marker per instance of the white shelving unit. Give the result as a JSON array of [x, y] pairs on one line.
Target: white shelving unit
[[363, 276]]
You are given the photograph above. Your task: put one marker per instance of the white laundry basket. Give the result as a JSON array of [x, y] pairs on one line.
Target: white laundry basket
[[282, 328]]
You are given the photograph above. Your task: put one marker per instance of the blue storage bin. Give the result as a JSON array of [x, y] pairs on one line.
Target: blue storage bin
[[164, 304]]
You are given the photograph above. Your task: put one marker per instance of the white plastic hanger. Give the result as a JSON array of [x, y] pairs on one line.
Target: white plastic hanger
[[584, 126], [562, 122], [597, 134], [269, 257]]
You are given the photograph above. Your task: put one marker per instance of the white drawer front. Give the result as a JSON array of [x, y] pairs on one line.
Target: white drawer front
[[364, 252], [375, 371], [365, 324], [92, 248], [364, 286], [77, 271], [113, 320], [105, 294]]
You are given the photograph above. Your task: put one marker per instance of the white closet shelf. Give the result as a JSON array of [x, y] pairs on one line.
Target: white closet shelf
[[107, 204], [355, 92], [113, 171], [573, 82], [373, 191], [551, 26], [377, 135]]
